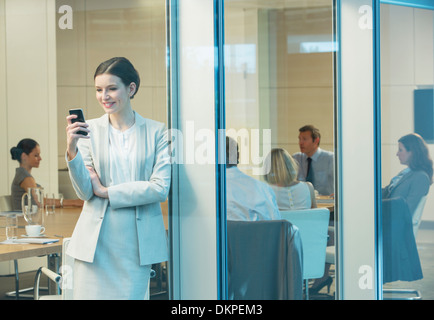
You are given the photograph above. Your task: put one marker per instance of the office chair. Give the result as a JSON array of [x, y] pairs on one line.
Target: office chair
[[313, 227], [400, 256], [398, 241], [265, 260], [62, 280], [6, 203], [417, 215]]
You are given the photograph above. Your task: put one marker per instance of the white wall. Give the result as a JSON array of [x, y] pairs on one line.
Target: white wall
[[28, 107], [356, 197], [195, 265], [28, 86], [4, 147]]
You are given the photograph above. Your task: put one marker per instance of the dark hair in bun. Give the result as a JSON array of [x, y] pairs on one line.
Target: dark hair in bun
[[122, 68], [25, 145]]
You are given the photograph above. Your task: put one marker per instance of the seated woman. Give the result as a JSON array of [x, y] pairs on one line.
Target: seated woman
[[28, 154], [413, 182], [291, 194], [281, 174]]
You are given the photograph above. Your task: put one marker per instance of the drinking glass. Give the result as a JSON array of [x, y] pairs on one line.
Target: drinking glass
[[50, 204]]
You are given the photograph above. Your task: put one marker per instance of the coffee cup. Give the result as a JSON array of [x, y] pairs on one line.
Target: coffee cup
[[34, 230]]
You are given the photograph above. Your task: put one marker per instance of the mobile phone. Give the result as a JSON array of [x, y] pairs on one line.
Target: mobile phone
[[80, 118]]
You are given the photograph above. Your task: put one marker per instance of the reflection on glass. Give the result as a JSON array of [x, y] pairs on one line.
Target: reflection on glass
[[99, 30], [279, 78], [55, 47], [291, 194], [407, 169], [247, 199]]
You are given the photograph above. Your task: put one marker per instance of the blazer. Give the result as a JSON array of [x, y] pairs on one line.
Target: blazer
[[412, 187], [249, 199], [151, 186]]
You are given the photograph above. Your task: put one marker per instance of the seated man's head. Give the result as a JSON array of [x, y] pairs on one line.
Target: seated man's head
[[309, 139]]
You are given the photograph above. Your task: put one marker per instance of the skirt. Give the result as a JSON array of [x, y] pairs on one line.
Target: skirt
[[116, 273]]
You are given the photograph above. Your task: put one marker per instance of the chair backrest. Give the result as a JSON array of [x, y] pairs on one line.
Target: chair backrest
[[6, 203], [417, 214], [400, 256], [66, 270], [264, 260], [313, 227], [65, 185]]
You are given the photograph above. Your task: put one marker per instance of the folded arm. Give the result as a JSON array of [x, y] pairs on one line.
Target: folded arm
[[79, 174], [142, 192]]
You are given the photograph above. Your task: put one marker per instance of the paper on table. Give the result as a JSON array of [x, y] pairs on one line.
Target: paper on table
[[31, 240], [17, 212], [325, 200], [9, 241]]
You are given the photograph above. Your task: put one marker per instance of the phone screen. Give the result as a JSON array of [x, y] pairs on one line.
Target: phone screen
[[80, 118]]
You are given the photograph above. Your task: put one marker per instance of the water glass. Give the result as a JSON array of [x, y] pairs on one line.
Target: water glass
[[11, 226]]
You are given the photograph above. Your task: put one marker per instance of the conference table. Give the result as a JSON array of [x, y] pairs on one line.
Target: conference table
[[58, 225], [326, 202]]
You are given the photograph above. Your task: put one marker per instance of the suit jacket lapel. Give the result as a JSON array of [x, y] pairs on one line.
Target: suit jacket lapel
[[103, 156], [140, 148], [403, 179]]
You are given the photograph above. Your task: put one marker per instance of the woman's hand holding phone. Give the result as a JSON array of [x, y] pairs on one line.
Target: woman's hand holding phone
[[75, 130]]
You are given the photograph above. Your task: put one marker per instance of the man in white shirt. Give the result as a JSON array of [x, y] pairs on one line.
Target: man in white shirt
[[247, 199], [315, 165]]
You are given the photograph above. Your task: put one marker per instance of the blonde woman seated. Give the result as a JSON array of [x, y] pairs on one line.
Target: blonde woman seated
[[281, 173]]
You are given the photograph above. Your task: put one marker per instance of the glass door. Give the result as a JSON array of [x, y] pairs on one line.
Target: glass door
[[89, 32], [49, 51], [279, 89], [407, 147]]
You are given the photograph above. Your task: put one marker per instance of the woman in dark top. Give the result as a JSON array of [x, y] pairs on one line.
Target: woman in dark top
[[28, 154]]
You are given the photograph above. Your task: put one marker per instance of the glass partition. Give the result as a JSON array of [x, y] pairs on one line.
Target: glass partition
[[278, 79], [90, 32], [407, 73], [49, 51]]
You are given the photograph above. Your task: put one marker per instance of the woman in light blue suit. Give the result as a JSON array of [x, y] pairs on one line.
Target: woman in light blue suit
[[122, 171], [412, 183]]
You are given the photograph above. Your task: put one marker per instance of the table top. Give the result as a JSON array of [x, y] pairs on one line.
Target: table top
[[57, 226], [325, 202]]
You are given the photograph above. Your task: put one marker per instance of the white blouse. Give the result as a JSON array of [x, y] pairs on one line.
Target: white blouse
[[122, 154], [295, 197]]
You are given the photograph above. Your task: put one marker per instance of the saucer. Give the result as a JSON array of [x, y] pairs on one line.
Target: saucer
[[41, 235]]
